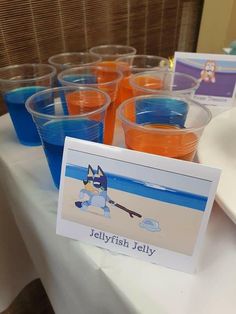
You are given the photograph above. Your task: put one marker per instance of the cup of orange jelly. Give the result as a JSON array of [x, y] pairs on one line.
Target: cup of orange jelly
[[165, 124], [102, 78], [109, 55], [135, 64]]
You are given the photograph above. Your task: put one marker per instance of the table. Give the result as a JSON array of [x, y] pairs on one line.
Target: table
[[79, 278]]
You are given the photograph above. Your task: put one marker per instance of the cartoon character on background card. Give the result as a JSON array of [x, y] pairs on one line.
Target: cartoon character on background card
[[95, 194], [208, 72]]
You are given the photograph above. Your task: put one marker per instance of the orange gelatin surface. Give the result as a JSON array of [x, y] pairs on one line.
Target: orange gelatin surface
[[87, 101], [84, 102], [126, 91], [112, 65], [104, 76], [179, 145], [149, 82]]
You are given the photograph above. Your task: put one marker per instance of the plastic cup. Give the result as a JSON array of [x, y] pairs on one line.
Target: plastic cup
[[152, 82], [109, 55], [68, 60], [47, 110], [99, 77], [134, 64], [167, 125], [140, 63], [112, 52], [17, 83]]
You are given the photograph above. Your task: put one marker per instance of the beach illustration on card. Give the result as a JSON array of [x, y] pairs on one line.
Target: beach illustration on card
[[131, 207], [95, 190], [216, 75]]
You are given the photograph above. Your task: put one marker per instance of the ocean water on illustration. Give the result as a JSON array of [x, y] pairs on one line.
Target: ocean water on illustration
[[141, 188]]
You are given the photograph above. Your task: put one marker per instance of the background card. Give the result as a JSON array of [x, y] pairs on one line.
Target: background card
[[143, 205], [216, 74]]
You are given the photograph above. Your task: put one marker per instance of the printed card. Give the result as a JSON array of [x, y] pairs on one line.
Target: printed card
[[146, 206], [216, 75]]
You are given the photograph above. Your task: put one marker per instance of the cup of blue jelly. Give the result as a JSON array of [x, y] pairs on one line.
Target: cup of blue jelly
[[162, 110], [17, 84], [86, 108]]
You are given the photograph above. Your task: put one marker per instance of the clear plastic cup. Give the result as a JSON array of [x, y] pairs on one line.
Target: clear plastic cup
[[168, 125], [47, 110], [68, 60], [140, 63], [109, 54], [99, 77], [112, 52], [17, 83], [134, 64], [152, 82]]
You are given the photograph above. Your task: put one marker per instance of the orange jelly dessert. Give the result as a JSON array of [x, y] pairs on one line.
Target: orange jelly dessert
[[181, 145]]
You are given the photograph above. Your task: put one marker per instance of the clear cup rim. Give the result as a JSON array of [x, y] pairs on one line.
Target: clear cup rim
[[120, 76], [33, 79], [107, 101], [188, 100], [132, 50], [144, 56], [122, 59], [152, 74], [74, 53]]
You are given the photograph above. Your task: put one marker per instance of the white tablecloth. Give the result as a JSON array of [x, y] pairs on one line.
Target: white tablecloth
[[83, 279]]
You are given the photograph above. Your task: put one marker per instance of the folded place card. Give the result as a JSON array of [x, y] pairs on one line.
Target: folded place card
[[216, 74], [146, 206]]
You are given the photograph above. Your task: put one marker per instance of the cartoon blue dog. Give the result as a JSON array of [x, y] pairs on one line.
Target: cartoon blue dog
[[95, 192], [95, 188]]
